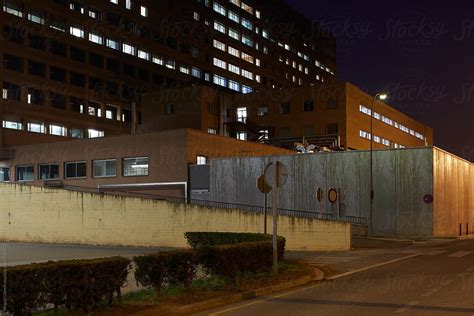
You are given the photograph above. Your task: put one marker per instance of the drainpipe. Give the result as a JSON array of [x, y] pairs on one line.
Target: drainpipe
[[134, 117]]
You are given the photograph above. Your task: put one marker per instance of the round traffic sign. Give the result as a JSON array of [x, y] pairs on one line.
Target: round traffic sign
[[262, 185], [332, 196], [275, 174], [319, 194]]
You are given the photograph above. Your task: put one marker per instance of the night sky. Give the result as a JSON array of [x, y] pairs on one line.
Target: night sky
[[420, 52]]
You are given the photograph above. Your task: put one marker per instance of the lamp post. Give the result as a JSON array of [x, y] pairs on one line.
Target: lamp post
[[380, 96]]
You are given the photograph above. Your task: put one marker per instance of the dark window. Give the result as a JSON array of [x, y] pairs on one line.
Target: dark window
[[308, 106], [143, 74], [96, 60], [58, 48], [77, 79], [262, 110], [77, 105], [4, 174], [308, 130], [285, 108], [11, 92], [126, 115], [112, 88], [11, 62], [96, 84], [49, 172], [285, 132], [113, 65], [157, 79], [57, 74], [128, 70], [74, 170], [113, 19], [35, 96], [36, 69], [12, 34], [36, 42], [169, 108], [25, 173], [332, 128], [77, 54], [332, 103], [58, 24], [58, 101]]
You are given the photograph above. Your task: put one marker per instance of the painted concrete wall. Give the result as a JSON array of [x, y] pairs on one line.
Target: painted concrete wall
[[454, 194], [401, 179], [36, 214]]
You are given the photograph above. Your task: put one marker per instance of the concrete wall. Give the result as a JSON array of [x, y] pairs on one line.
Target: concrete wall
[[454, 194], [401, 179], [36, 214]]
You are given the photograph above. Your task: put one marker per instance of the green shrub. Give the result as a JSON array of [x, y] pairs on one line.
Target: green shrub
[[177, 267], [197, 240], [76, 284], [204, 239], [233, 259]]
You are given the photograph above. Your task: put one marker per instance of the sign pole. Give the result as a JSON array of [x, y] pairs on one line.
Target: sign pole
[[275, 217], [265, 214]]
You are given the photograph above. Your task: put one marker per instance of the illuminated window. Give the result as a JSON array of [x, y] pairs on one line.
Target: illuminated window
[[171, 64], [143, 54], [128, 4], [96, 38], [233, 51], [196, 16], [247, 74], [92, 133], [234, 34], [36, 128], [235, 69], [234, 17], [246, 7], [144, 11], [220, 63], [234, 85], [113, 44], [157, 60], [36, 17], [219, 80], [241, 135], [201, 160], [246, 89], [219, 27], [242, 114], [219, 45], [196, 72], [13, 8], [219, 9], [57, 130], [76, 31], [247, 24], [247, 41], [128, 49], [133, 167], [184, 69], [247, 57]]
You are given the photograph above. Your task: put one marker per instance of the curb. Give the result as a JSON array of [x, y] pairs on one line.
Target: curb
[[316, 275]]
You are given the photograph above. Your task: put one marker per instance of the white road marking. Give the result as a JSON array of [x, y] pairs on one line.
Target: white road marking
[[434, 252], [407, 307], [337, 276], [460, 254]]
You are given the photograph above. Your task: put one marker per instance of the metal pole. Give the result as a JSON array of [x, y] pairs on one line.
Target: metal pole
[[265, 214], [371, 165], [275, 214]]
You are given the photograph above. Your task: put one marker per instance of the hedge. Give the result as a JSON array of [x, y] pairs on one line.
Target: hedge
[[76, 284], [203, 239], [177, 267], [233, 259]]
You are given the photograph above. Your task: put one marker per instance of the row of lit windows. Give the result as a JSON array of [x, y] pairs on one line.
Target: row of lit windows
[[131, 167], [129, 49], [236, 53], [388, 121], [51, 129], [248, 25], [379, 140]]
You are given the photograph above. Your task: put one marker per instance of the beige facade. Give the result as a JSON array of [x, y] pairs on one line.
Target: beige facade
[[35, 214]]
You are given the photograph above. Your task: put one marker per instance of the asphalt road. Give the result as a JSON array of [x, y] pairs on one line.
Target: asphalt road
[[436, 280], [20, 253]]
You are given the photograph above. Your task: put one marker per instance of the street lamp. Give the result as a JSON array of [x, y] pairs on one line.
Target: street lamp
[[380, 96]]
